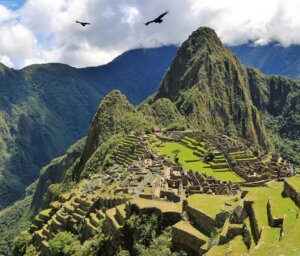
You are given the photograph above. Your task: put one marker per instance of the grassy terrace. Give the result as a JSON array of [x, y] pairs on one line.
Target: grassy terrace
[[127, 152], [162, 206], [187, 227], [236, 247], [200, 146], [270, 242], [211, 204], [281, 207], [245, 155], [295, 182], [189, 161]]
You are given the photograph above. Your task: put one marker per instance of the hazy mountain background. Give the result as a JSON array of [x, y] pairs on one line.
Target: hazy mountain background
[[46, 108], [271, 58], [54, 104]]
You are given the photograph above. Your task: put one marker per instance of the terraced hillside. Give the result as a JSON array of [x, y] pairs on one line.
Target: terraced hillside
[[163, 187], [129, 150], [145, 185]]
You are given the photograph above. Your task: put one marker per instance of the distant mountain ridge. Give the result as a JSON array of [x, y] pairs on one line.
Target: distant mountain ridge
[[271, 58], [46, 108], [206, 87]]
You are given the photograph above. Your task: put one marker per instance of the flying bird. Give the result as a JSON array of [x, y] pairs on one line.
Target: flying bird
[[83, 23], [159, 19]]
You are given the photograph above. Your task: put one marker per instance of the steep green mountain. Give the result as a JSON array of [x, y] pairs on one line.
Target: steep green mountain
[[271, 58], [46, 108], [215, 92], [114, 118], [210, 87], [206, 88], [130, 208]]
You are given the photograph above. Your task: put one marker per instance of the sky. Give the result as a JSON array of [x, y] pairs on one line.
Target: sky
[[43, 31]]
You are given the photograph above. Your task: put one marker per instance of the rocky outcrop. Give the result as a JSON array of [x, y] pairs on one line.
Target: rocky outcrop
[[207, 78]]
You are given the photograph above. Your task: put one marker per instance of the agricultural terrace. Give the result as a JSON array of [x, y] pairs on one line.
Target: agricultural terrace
[[190, 161], [211, 204], [281, 208], [295, 182]]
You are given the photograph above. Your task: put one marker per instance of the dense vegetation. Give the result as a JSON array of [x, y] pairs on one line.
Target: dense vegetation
[[205, 88], [46, 108], [213, 91], [16, 219], [146, 237]]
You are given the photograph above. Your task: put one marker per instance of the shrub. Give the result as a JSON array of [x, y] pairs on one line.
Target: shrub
[[208, 156], [266, 175], [64, 243], [20, 243], [31, 251]]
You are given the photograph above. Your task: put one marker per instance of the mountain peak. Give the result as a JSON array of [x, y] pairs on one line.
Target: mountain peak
[[206, 78], [204, 36], [194, 62]]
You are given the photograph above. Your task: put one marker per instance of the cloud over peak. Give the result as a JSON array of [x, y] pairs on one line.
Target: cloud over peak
[[45, 31]]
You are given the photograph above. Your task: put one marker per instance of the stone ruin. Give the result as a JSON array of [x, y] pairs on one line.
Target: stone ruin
[[253, 171], [201, 184]]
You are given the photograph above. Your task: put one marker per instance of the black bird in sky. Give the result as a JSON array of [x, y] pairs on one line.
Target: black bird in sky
[[159, 19], [83, 23]]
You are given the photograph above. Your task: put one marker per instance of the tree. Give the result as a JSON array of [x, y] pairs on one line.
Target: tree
[[94, 246], [175, 152], [160, 245], [208, 156], [64, 244], [20, 243]]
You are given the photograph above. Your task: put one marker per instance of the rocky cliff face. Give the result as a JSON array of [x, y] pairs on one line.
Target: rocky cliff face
[[214, 91]]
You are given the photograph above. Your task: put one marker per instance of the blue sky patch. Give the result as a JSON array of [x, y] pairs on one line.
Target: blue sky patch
[[13, 4]]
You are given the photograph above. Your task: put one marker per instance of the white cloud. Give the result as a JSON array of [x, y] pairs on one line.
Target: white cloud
[[7, 61], [5, 14], [131, 15], [45, 31], [16, 43]]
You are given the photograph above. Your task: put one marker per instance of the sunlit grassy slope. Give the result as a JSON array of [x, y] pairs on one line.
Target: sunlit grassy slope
[[189, 161]]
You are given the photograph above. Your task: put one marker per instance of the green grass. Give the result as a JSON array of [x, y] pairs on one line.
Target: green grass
[[162, 206], [47, 212], [216, 203], [260, 196], [235, 247], [270, 242], [281, 207], [295, 182], [188, 228], [197, 165]]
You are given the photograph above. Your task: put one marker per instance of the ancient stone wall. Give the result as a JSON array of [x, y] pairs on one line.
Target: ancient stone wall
[[291, 192], [274, 221], [203, 222], [256, 230]]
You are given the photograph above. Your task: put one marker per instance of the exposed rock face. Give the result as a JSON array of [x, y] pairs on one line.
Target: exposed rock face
[[211, 88], [214, 91]]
